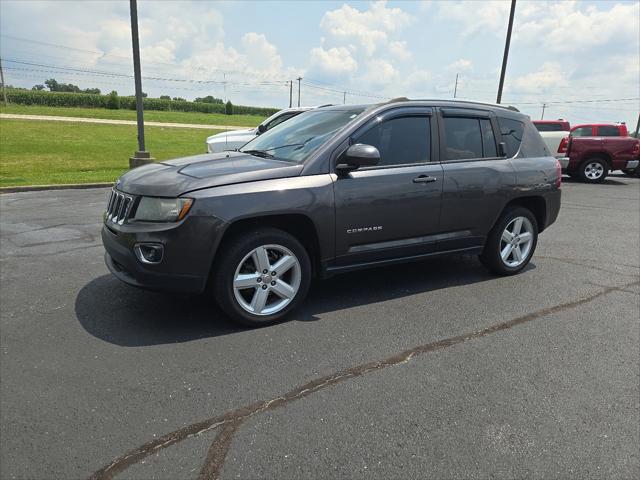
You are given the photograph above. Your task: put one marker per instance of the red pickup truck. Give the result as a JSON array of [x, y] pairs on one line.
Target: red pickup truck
[[591, 158]]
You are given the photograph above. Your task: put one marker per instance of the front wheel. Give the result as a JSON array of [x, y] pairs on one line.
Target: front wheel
[[261, 276], [594, 170], [511, 242]]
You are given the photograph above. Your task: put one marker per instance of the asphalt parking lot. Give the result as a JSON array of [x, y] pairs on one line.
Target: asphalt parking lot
[[431, 370]]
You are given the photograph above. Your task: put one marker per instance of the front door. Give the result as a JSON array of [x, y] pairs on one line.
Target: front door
[[391, 209]]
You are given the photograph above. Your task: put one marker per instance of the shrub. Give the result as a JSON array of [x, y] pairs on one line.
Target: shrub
[[228, 108], [65, 99], [113, 101]]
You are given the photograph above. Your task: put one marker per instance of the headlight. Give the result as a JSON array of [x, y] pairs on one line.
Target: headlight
[[153, 209]]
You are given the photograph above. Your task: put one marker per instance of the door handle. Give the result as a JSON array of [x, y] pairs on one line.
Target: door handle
[[424, 179]]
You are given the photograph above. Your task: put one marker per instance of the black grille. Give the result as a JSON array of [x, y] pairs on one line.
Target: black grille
[[119, 207]]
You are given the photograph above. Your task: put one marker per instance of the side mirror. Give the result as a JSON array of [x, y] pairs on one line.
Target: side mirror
[[261, 128], [356, 156], [502, 149]]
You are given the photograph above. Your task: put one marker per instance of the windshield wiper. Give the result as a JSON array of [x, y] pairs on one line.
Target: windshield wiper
[[258, 153], [293, 144]]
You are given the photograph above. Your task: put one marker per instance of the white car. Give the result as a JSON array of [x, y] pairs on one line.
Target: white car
[[237, 138]]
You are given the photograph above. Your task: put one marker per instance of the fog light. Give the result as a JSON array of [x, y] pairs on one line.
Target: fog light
[[149, 252]]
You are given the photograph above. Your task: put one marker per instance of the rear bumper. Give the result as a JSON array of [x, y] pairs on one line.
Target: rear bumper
[[631, 164], [189, 248], [564, 162]]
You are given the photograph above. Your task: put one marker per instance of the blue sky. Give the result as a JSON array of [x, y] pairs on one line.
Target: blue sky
[[568, 51]]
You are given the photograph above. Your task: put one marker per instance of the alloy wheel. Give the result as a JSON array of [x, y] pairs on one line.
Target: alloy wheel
[[267, 279], [593, 170], [516, 242]]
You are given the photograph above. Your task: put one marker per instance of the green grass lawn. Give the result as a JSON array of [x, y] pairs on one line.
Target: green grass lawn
[[150, 115], [41, 152]]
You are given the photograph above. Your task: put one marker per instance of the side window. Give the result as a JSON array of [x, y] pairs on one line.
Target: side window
[[511, 135], [582, 132], [608, 131], [488, 139], [463, 138], [282, 118], [400, 140]]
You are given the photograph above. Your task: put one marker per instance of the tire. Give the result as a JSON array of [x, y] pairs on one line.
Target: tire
[[267, 302], [593, 170], [492, 255]]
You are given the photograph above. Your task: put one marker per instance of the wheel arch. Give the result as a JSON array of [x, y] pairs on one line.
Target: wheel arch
[[606, 157], [536, 204], [296, 224]]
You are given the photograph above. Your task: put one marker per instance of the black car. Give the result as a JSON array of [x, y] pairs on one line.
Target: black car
[[333, 190]]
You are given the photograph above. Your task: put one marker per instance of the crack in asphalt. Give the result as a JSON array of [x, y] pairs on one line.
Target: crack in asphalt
[[233, 419], [577, 262]]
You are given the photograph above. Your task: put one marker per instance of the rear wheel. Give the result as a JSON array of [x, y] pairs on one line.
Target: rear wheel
[[262, 276], [594, 170], [511, 242]]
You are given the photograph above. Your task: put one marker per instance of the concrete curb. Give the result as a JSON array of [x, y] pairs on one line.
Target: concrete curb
[[62, 186]]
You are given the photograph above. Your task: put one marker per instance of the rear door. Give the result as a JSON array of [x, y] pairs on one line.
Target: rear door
[[391, 209], [476, 179]]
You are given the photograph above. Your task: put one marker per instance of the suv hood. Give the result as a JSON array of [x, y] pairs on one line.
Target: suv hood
[[177, 177]]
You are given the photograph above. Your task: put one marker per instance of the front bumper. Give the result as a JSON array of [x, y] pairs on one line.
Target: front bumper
[[189, 248]]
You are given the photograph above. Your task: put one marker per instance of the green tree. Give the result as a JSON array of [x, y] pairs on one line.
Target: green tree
[[38, 87], [165, 97], [113, 101], [228, 108]]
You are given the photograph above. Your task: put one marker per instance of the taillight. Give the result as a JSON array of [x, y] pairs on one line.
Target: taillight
[[636, 149], [558, 174], [564, 143]]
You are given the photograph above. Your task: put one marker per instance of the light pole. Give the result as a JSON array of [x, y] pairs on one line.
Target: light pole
[[299, 78], [506, 50], [141, 156]]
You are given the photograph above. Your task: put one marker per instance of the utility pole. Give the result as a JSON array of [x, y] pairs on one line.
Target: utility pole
[[299, 78], [506, 50], [455, 89], [4, 92], [637, 124], [344, 98], [543, 107], [290, 93], [140, 157]]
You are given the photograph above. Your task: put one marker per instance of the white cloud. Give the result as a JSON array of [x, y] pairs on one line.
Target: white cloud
[[550, 75], [369, 29], [261, 54], [563, 26], [566, 26], [335, 61], [459, 66], [399, 50]]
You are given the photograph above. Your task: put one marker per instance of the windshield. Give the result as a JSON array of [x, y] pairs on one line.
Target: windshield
[[295, 139]]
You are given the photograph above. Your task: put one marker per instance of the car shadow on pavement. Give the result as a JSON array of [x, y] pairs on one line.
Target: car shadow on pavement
[[610, 180], [131, 317]]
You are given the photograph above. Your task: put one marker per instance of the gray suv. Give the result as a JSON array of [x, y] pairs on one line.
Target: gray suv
[[332, 190]]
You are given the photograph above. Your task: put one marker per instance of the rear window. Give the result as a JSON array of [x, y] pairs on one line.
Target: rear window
[[582, 132], [608, 131], [511, 135], [549, 127]]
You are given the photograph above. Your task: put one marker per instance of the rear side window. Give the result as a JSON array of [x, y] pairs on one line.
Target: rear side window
[[463, 138], [511, 135], [488, 139], [400, 140], [581, 132], [608, 131]]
